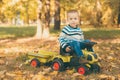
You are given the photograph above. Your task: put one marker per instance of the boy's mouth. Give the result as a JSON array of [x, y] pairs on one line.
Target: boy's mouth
[[73, 24]]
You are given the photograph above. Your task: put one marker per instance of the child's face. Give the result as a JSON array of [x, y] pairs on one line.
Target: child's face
[[73, 19]]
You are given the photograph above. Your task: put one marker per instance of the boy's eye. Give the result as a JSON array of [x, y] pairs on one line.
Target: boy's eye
[[75, 18], [70, 18]]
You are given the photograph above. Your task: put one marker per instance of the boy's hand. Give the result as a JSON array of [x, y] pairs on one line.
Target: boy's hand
[[68, 49]]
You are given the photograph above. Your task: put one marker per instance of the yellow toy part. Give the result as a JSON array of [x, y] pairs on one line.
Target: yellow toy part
[[63, 58], [41, 55], [90, 56]]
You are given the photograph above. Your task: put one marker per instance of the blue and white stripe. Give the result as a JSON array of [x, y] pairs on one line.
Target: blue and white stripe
[[68, 34]]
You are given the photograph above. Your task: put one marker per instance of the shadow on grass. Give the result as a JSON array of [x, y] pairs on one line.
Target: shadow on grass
[[102, 34]]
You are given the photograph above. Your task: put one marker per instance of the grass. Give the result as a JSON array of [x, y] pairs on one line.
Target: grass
[[16, 32], [95, 33], [102, 33]]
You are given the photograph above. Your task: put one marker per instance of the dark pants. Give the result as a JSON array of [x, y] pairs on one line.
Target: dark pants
[[78, 46]]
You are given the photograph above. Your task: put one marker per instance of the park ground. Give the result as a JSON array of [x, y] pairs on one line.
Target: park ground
[[15, 45]]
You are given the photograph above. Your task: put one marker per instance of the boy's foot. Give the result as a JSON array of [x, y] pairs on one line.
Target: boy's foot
[[90, 43], [74, 61]]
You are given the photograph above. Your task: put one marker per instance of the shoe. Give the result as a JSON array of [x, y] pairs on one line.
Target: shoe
[[74, 61], [83, 60], [90, 44]]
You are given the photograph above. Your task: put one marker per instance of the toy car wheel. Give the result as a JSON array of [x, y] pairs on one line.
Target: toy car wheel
[[57, 65], [35, 63], [95, 68], [82, 69]]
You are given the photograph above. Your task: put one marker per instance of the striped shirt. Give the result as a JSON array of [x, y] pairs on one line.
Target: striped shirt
[[68, 34]]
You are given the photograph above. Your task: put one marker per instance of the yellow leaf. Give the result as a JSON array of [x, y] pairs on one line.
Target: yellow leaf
[[70, 71], [54, 73]]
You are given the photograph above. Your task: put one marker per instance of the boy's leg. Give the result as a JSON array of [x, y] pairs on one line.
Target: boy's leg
[[83, 45], [77, 48]]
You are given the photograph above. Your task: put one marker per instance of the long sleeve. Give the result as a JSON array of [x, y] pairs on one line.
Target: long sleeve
[[62, 39], [68, 33]]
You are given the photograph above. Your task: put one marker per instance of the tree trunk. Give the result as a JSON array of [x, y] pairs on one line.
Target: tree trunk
[[27, 15], [118, 20], [107, 18], [39, 23], [57, 15], [47, 20], [99, 13]]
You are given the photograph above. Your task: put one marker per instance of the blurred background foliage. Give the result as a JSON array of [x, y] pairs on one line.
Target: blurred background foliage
[[94, 12]]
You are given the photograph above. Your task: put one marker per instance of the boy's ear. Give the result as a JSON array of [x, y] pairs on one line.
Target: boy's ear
[[67, 21]]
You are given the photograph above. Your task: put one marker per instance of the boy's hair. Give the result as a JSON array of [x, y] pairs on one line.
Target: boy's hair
[[72, 11]]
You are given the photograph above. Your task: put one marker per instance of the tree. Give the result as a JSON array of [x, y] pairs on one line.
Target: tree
[[118, 20], [47, 19], [43, 13], [118, 15], [27, 14], [111, 11], [57, 15], [99, 13], [27, 9], [39, 23], [6, 11]]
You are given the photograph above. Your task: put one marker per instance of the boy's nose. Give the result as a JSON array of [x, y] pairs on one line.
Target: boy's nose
[[73, 20]]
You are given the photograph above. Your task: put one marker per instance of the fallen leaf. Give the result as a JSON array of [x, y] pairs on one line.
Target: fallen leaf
[[47, 70], [2, 62], [70, 71], [2, 73], [75, 74], [54, 73], [39, 77], [18, 72], [10, 74], [2, 55]]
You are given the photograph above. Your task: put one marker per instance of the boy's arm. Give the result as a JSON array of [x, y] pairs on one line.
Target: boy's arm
[[63, 41], [82, 35]]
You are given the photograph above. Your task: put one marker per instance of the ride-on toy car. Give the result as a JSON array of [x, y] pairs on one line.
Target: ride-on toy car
[[61, 62]]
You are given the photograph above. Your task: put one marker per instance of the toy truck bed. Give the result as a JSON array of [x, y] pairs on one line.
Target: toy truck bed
[[41, 55]]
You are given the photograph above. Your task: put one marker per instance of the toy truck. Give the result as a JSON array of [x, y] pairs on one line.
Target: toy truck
[[62, 62]]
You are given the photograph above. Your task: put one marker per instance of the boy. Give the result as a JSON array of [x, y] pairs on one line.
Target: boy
[[71, 37]]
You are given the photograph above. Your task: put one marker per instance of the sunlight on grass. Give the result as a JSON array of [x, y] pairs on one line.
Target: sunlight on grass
[[16, 32], [87, 29], [7, 36], [89, 32]]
